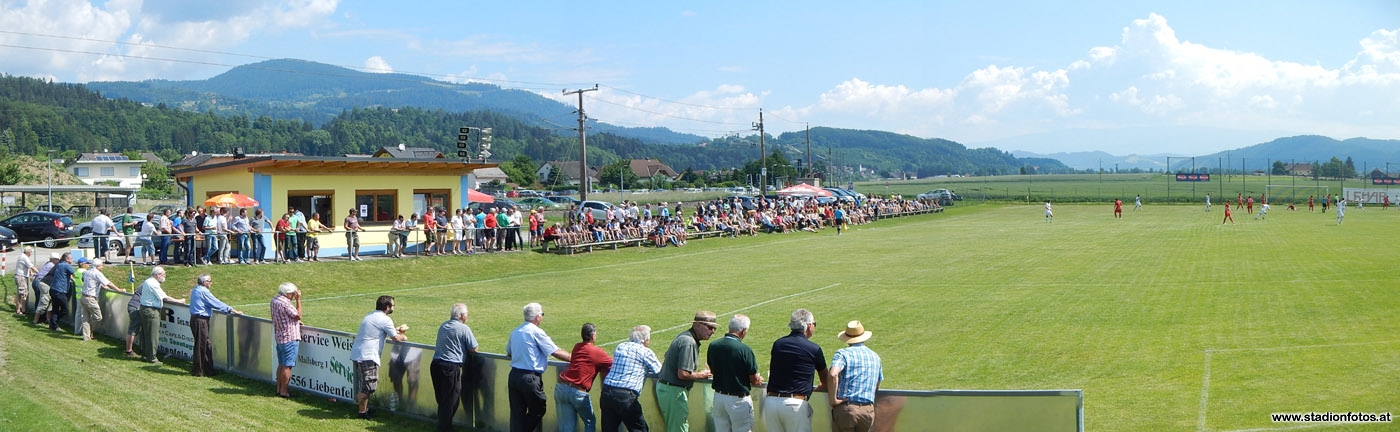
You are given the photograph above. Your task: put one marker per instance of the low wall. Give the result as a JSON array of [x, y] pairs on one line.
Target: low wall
[[243, 345]]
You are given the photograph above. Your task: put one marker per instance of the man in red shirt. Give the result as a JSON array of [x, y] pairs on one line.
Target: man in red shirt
[[1118, 208], [1228, 216], [571, 393], [491, 225], [1250, 204], [429, 231]]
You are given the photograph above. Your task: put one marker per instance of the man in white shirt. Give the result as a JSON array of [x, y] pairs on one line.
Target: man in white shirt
[[102, 226], [153, 299], [364, 353]]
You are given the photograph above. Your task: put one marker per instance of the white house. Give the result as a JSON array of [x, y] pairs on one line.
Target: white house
[[92, 168]]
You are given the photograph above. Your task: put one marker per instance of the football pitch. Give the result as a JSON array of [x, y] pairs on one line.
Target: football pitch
[[1166, 319]]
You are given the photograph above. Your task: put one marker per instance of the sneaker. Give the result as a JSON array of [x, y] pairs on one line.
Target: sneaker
[[366, 415]]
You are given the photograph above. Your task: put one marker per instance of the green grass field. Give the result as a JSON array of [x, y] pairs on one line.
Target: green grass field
[[1166, 319]]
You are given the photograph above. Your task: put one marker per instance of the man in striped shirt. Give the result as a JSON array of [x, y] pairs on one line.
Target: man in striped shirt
[[286, 330], [856, 373], [632, 362]]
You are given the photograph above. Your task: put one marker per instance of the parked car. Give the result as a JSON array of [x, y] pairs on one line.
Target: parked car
[[13, 209], [535, 202], [745, 201], [52, 208], [563, 200], [54, 229], [161, 208], [8, 239], [116, 243], [842, 195], [599, 208], [499, 205], [942, 196], [82, 211]]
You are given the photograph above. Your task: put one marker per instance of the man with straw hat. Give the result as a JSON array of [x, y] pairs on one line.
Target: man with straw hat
[[856, 373]]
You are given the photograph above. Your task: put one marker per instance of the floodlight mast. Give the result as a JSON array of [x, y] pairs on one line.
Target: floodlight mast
[[582, 145]]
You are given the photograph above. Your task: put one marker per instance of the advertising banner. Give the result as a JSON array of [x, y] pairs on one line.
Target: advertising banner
[[1370, 196], [176, 339], [1193, 177], [323, 363]]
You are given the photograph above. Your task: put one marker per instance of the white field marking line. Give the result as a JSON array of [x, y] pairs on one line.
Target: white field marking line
[[543, 273], [679, 326], [1205, 382]]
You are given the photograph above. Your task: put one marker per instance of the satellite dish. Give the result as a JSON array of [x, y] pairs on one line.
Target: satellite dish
[[401, 147]]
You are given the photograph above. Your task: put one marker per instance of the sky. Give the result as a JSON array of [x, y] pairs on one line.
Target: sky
[[1037, 76]]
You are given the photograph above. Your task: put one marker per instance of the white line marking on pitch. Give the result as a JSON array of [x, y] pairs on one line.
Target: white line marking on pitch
[[679, 326], [1205, 383]]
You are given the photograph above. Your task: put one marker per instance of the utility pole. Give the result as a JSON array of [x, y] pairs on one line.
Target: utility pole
[[582, 145], [762, 156], [809, 150]]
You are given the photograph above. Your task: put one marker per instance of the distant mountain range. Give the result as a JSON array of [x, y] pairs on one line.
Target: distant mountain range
[[1366, 154], [317, 93], [1094, 160]]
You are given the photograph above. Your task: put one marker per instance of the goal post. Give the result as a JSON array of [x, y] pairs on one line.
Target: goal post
[[1286, 194]]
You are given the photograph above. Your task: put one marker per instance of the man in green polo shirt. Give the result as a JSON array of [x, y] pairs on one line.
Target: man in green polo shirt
[[679, 371], [735, 373]]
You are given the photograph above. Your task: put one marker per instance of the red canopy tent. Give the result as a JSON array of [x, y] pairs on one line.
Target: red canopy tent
[[803, 189], [474, 195]]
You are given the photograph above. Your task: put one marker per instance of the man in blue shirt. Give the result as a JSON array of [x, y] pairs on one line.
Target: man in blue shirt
[[855, 376], [794, 360], [529, 350], [202, 304], [632, 362], [454, 343], [60, 291]]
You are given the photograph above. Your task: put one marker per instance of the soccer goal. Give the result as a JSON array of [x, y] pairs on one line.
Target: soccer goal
[[1282, 194]]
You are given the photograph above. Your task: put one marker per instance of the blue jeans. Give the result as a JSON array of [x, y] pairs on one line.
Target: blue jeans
[[573, 402], [243, 251], [259, 247], [162, 247], [211, 245]]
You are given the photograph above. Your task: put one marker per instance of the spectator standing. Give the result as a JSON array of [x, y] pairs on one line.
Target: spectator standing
[[255, 232], [127, 224], [240, 229], [153, 299], [301, 227], [312, 234], [133, 314], [369, 340], [735, 373], [429, 232], [352, 235], [680, 370], [571, 392], [102, 226], [211, 235], [60, 290], [855, 376], [793, 361], [191, 225], [93, 283], [455, 342], [397, 233], [164, 228], [529, 349], [145, 237], [202, 305], [286, 330], [632, 362], [24, 279], [289, 238]]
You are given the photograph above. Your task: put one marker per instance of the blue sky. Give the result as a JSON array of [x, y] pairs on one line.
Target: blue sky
[[1016, 74]]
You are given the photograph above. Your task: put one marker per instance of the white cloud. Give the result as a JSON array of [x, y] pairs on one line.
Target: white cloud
[[142, 26], [377, 64]]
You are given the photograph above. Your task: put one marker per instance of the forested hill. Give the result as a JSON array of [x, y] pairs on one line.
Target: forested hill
[[924, 156], [317, 92], [37, 115]]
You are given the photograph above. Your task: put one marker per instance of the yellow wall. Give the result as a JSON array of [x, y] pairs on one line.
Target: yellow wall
[[240, 181], [343, 186]]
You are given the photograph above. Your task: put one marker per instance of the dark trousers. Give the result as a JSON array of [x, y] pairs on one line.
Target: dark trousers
[[203, 350], [162, 244], [150, 332], [621, 407], [259, 247], [58, 307], [527, 400], [99, 245], [301, 245], [447, 386]]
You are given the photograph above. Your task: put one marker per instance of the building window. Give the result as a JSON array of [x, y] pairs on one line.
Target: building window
[[136, 171], [80, 171], [435, 198], [376, 205], [108, 171]]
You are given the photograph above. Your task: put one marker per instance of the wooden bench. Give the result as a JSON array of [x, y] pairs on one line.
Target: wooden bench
[[588, 247], [702, 234]]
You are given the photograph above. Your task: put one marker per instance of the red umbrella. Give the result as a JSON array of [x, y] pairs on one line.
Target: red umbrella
[[474, 195], [231, 200]]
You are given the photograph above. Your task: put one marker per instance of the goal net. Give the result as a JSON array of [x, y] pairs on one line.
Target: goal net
[[1282, 194]]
